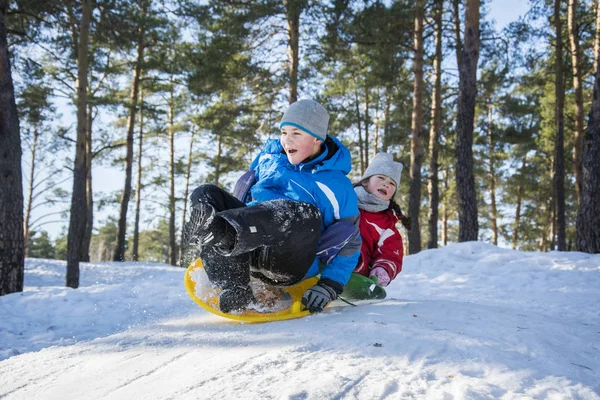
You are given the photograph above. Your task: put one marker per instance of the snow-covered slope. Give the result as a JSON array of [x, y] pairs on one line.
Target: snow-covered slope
[[466, 321]]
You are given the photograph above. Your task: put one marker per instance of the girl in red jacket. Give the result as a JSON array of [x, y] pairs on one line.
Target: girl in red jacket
[[382, 251]]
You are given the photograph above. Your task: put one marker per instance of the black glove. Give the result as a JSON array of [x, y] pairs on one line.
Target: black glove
[[317, 297]]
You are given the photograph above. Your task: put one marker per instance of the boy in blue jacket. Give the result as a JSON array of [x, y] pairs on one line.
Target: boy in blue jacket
[[300, 198]]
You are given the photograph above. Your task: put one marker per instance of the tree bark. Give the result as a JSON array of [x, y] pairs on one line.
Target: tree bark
[[12, 257], [186, 193], [89, 192], [597, 38], [458, 40], [386, 116], [172, 241], [520, 189], [434, 133], [494, 209], [138, 191], [361, 151], [218, 159], [366, 141], [416, 151], [30, 189], [468, 226], [119, 254], [559, 147], [445, 213], [377, 139], [293, 10], [588, 217], [78, 220], [579, 112]]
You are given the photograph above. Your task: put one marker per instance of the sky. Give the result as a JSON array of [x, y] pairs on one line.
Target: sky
[[467, 321], [109, 179]]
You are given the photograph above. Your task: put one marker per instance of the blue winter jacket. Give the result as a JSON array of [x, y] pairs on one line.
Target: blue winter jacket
[[321, 182]]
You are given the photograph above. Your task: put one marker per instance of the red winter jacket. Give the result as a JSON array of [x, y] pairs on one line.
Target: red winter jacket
[[381, 243]]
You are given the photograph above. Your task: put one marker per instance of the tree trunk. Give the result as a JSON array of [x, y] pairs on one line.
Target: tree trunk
[[559, 146], [445, 214], [89, 193], [468, 225], [119, 254], [30, 188], [520, 189], [218, 159], [188, 173], [597, 39], [579, 112], [366, 141], [588, 217], [376, 136], [386, 115], [78, 218], [293, 10], [416, 151], [434, 133], [172, 242], [360, 139], [138, 191], [12, 257], [458, 40], [545, 229], [494, 209]]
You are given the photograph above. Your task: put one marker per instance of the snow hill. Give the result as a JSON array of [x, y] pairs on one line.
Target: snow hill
[[468, 321]]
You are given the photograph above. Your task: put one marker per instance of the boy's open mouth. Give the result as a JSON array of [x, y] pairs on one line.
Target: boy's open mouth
[[291, 151], [382, 191]]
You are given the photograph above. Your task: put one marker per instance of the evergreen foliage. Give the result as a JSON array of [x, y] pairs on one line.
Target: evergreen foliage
[[219, 74]]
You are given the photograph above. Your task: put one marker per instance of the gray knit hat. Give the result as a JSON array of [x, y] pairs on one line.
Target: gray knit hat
[[309, 116], [384, 164]]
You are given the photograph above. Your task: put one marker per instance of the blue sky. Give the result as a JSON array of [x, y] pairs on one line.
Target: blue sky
[[507, 11]]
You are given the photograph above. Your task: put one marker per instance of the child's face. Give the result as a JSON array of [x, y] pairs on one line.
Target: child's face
[[298, 145], [380, 186]]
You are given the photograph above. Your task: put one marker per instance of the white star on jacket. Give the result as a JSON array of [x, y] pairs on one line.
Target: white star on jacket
[[383, 234]]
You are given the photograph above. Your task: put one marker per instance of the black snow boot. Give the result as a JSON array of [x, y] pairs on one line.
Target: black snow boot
[[235, 298], [197, 229]]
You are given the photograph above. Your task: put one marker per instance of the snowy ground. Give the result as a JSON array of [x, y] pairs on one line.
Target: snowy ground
[[467, 321]]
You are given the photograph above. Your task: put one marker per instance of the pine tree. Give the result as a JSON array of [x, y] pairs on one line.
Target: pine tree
[[588, 217], [12, 256], [468, 54]]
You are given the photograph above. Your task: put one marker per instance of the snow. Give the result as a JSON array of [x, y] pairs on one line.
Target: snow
[[468, 321]]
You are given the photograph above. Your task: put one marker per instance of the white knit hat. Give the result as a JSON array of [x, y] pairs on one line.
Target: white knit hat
[[384, 164], [309, 116]]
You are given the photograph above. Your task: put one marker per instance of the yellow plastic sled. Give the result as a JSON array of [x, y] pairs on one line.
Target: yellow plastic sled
[[201, 291]]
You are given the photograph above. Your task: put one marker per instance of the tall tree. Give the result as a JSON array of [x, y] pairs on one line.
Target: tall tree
[[597, 38], [559, 146], [588, 217], [12, 258], [577, 86], [519, 202], [492, 175], [78, 218], [119, 254], [188, 172], [89, 188], [434, 132], [293, 11], [35, 113], [467, 94], [138, 189], [416, 150]]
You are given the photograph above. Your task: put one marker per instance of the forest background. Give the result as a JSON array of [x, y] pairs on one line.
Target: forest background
[[488, 123]]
